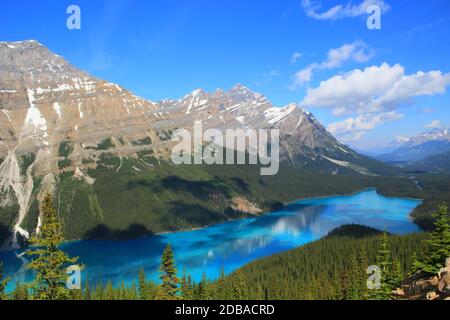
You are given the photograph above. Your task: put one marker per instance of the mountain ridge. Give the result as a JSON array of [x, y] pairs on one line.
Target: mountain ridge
[[431, 142]]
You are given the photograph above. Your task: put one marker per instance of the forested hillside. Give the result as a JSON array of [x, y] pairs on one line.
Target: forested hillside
[[150, 195]]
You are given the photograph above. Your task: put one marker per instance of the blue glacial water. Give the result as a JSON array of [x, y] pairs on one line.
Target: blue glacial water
[[231, 244]]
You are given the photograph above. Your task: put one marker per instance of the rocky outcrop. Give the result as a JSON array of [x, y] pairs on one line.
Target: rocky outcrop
[[426, 286], [242, 204]]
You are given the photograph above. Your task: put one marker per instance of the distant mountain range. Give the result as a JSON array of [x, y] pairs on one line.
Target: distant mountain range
[[59, 126], [430, 143]]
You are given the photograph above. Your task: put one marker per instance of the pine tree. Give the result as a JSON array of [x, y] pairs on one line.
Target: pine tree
[[143, 293], [3, 283], [87, 291], [203, 293], [49, 261], [109, 291], [239, 286], [221, 292], [439, 243], [169, 287], [354, 289], [363, 264], [186, 286], [384, 262], [416, 264], [396, 275], [98, 293]]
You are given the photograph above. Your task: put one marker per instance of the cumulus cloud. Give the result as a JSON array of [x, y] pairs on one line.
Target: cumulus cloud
[[356, 52], [372, 96], [295, 57], [349, 10], [434, 124], [375, 89], [354, 128]]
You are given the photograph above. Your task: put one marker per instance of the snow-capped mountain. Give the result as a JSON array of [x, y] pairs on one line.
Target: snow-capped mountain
[[56, 119], [431, 142]]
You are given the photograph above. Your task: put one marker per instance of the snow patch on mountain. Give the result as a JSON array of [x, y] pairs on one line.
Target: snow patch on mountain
[[57, 108], [275, 115], [34, 118]]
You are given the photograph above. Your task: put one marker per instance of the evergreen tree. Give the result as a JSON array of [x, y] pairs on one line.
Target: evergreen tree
[[416, 264], [122, 292], [87, 291], [109, 291], [239, 286], [186, 286], [169, 287], [3, 283], [363, 264], [98, 293], [143, 293], [203, 293], [221, 292], [439, 243], [396, 275], [48, 261], [354, 287], [384, 262], [132, 293]]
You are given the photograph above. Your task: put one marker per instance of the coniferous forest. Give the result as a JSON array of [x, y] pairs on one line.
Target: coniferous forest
[[333, 268]]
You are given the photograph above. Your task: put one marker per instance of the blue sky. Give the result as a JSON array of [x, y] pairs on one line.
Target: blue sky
[[162, 49]]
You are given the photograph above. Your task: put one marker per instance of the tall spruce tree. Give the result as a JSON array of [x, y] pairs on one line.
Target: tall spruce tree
[[48, 261], [354, 271], [240, 286], [416, 264], [384, 262], [221, 292], [203, 292], [439, 243], [363, 264], [143, 292], [87, 290], [109, 291], [186, 286], [169, 287]]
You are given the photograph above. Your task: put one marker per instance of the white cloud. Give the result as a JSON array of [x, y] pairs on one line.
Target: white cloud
[[434, 124], [301, 77], [372, 96], [348, 10], [295, 57], [375, 89], [354, 128], [356, 52]]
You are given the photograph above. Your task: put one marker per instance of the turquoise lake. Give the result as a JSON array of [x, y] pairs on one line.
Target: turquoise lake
[[231, 244]]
